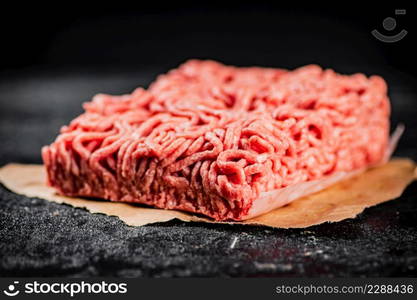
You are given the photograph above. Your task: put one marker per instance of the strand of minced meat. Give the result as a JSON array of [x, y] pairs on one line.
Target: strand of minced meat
[[210, 139]]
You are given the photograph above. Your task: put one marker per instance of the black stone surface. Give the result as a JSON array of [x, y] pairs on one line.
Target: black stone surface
[[39, 238]]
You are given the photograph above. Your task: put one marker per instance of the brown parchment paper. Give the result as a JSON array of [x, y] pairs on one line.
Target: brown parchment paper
[[343, 200]]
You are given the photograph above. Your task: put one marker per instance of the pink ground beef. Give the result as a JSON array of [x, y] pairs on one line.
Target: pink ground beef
[[212, 139]]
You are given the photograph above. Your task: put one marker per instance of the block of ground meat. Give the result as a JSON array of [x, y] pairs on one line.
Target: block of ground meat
[[226, 142]]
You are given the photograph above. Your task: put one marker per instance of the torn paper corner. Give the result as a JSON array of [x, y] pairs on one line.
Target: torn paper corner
[[346, 199]]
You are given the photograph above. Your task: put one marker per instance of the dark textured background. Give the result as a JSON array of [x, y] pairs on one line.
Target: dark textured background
[[54, 62]]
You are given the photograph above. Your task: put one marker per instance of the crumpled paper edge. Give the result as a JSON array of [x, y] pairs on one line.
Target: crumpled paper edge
[[343, 200]]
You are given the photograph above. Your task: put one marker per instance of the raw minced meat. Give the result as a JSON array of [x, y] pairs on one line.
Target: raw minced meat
[[217, 140]]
